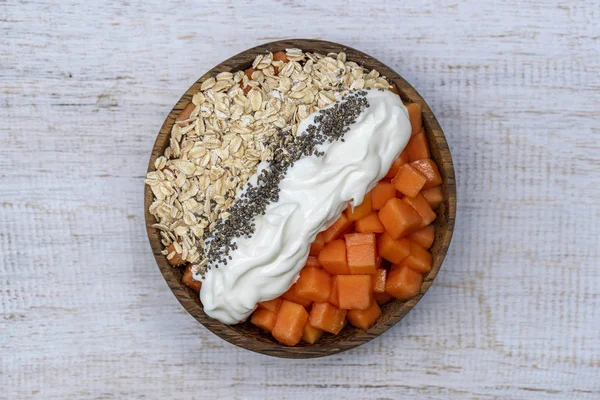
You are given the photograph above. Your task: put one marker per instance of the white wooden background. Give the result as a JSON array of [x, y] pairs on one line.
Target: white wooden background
[[515, 311]]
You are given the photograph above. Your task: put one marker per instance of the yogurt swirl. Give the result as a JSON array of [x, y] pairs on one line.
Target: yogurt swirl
[[312, 196]]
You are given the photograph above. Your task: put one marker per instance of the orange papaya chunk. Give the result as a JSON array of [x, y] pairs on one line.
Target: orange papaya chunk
[[409, 181], [399, 219], [314, 284], [354, 291], [403, 282], [327, 317], [290, 322], [333, 257], [364, 319]]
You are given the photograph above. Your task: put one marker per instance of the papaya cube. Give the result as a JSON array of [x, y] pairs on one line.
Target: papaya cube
[[264, 319], [369, 224], [379, 281], [359, 211], [290, 322], [280, 56], [354, 291], [393, 250], [333, 257], [417, 147], [314, 284], [430, 171], [409, 181], [433, 196], [189, 281], [327, 317], [398, 162], [338, 228], [293, 296], [317, 244], [361, 251], [333, 296], [364, 319], [419, 259], [414, 115], [311, 334], [382, 298], [423, 237], [399, 219], [382, 192], [271, 305], [312, 262], [403, 282], [420, 204]]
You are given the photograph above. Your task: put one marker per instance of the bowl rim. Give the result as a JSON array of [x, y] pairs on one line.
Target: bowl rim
[[442, 156]]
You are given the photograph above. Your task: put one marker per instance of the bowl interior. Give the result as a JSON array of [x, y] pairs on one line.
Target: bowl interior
[[247, 335]]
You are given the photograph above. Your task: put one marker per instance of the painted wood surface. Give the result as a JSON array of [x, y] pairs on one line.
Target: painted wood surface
[[85, 313]]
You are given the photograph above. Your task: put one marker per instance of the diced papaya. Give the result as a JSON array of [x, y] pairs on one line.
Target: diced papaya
[[430, 170], [382, 298], [333, 297], [398, 218], [364, 319], [280, 56], [271, 305], [311, 334], [290, 322], [409, 181], [264, 319], [358, 239], [393, 250], [361, 210], [423, 237], [327, 317], [361, 251], [354, 292], [403, 282], [369, 224], [317, 245], [420, 204], [248, 73], [314, 284], [333, 257], [378, 261], [177, 258], [398, 162], [419, 259], [188, 279], [186, 112], [338, 228], [312, 262], [379, 281], [417, 147], [292, 295], [433, 196], [381, 193], [414, 114]]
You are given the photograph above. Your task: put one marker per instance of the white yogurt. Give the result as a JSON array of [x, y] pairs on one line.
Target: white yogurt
[[313, 194]]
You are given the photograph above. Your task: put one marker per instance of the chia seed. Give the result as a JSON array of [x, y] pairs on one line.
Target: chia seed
[[330, 125]]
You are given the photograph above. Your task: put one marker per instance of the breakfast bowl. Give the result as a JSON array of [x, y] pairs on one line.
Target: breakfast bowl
[[246, 334]]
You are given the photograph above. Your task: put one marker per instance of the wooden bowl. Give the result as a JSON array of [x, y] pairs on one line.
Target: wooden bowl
[[248, 336]]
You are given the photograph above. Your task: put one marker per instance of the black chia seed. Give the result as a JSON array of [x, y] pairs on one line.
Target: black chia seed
[[330, 125]]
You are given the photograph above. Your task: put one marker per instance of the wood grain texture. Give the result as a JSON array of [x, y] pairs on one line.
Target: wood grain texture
[[247, 335], [514, 312]]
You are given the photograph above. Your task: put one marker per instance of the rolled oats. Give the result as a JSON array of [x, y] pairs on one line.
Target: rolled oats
[[212, 154]]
